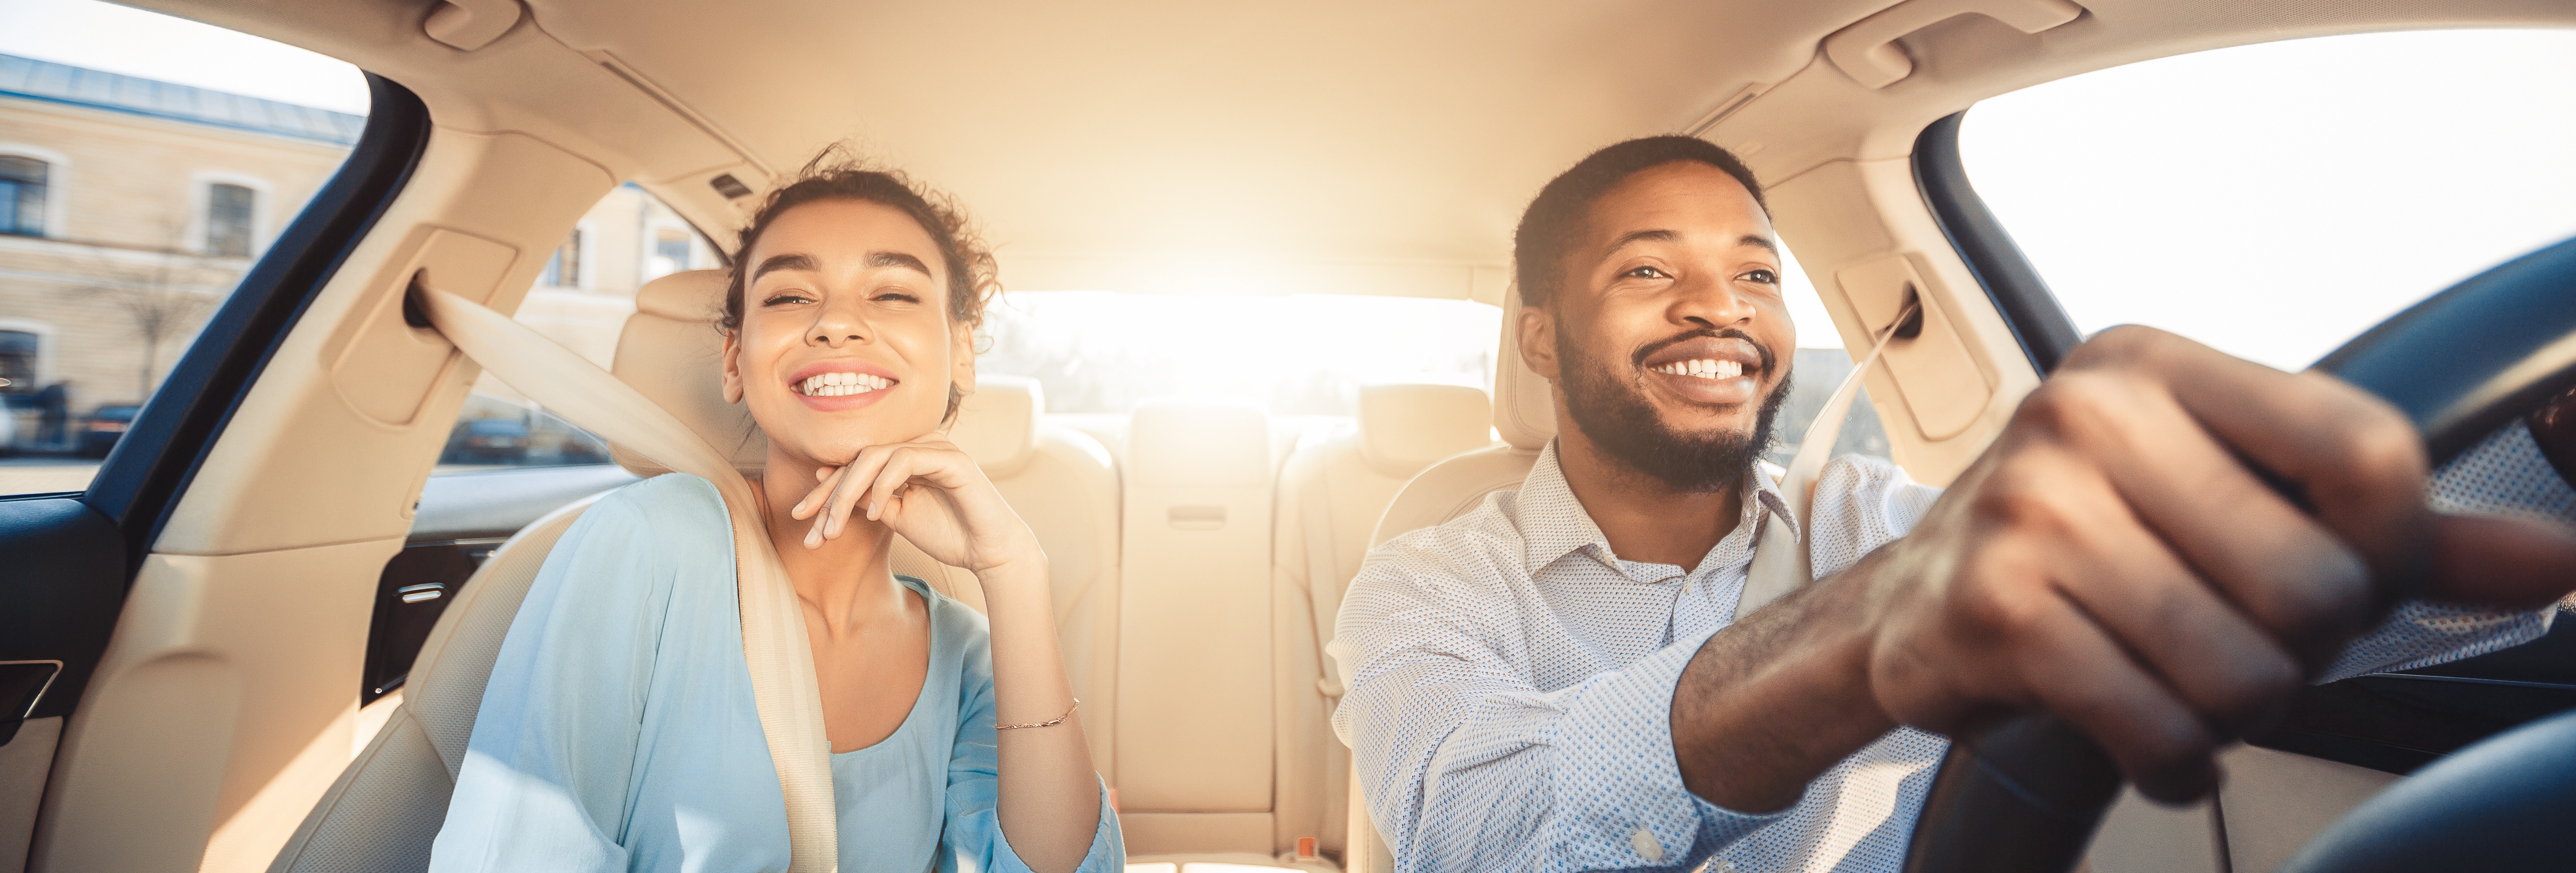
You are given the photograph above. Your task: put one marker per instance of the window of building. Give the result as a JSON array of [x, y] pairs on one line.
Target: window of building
[[21, 351], [228, 219], [670, 252], [2276, 200], [22, 195], [563, 269]]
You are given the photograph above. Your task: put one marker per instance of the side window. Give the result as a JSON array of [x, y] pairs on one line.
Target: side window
[[22, 195], [581, 299], [126, 153], [2276, 200]]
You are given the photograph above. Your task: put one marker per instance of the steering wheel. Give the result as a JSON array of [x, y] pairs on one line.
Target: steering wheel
[[2025, 795]]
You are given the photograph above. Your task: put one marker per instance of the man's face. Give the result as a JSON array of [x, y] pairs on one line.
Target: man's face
[[1668, 340]]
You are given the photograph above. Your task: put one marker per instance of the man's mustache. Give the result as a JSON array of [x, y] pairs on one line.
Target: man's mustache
[[1648, 350]]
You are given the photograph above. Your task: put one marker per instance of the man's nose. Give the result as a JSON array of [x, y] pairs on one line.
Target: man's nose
[[1709, 301]]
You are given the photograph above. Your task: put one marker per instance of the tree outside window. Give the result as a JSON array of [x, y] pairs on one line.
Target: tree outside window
[[228, 220], [22, 195]]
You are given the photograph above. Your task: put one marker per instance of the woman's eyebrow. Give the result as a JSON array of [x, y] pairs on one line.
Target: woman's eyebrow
[[782, 262], [898, 259]]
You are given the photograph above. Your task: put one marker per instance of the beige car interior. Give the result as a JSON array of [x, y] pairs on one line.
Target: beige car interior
[[1199, 547]]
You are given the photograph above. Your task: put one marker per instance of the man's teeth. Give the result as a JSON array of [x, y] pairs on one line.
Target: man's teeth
[[1705, 368], [840, 384]]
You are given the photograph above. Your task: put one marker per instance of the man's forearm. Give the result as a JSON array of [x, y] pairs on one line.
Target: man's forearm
[[1770, 703]]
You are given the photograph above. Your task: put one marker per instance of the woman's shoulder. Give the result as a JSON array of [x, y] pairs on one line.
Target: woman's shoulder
[[673, 511]]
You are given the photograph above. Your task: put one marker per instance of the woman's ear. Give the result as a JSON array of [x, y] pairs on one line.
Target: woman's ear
[[733, 366], [962, 354]]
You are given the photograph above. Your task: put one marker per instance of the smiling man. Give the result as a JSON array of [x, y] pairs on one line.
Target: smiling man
[[1557, 680]]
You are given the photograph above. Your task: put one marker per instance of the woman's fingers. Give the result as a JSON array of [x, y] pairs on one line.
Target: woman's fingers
[[814, 499]]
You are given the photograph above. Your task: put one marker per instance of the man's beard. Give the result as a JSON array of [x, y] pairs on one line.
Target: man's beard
[[1613, 412]]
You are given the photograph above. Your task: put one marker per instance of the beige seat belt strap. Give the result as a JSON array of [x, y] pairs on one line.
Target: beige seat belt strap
[[773, 625], [1781, 560]]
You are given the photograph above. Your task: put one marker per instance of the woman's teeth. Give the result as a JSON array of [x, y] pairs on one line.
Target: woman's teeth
[[1705, 368], [841, 384]]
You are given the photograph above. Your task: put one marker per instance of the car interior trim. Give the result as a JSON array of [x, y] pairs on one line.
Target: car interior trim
[[2041, 326]]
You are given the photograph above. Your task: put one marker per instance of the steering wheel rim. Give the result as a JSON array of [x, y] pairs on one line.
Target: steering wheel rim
[[2025, 795]]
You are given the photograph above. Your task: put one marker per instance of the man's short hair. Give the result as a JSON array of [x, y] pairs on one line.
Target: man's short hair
[[1554, 221]]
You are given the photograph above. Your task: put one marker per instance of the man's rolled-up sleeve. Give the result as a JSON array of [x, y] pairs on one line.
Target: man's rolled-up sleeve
[[1467, 766]]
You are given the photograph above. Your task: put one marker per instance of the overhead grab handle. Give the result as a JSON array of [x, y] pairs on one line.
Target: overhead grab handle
[[470, 24], [1867, 51]]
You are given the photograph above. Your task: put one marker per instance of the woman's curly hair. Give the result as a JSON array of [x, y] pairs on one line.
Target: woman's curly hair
[[835, 174]]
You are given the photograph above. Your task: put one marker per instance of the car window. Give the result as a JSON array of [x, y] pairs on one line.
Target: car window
[[580, 299], [2276, 200], [146, 162]]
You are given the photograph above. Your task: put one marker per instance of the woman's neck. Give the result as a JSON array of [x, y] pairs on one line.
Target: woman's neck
[[847, 583]]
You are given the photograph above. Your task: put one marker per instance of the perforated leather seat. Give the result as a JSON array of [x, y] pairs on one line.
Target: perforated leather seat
[[1331, 493], [387, 807]]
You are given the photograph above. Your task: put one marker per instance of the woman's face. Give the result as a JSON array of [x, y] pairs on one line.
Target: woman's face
[[845, 339]]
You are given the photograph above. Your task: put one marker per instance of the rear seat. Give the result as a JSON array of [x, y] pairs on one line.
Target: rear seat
[[1193, 762], [1062, 482], [1331, 493]]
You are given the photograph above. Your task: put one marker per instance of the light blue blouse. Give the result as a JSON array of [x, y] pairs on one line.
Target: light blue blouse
[[618, 732]]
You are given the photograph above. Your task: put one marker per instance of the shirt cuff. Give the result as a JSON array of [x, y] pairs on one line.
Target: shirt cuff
[[1619, 788]]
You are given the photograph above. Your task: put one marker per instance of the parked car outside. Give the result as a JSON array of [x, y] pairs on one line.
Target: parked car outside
[[104, 426], [487, 441]]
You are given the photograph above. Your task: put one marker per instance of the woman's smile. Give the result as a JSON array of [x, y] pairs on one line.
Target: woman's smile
[[841, 386]]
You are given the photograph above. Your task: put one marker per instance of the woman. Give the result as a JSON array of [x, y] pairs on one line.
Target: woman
[[618, 729]]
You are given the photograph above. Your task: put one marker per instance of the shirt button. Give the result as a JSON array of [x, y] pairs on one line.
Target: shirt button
[[1647, 846]]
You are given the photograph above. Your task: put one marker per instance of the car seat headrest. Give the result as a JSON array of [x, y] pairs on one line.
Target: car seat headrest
[[998, 424], [671, 353], [1406, 427], [1524, 406]]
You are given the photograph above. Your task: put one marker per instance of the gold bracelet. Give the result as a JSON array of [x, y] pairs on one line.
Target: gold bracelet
[[1068, 713]]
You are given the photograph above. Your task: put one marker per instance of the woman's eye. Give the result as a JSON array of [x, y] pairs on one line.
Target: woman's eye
[[898, 296], [1765, 277], [1646, 273], [785, 297]]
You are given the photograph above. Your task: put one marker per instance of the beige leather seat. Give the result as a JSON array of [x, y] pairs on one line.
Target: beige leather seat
[[385, 809], [1525, 416], [1331, 492]]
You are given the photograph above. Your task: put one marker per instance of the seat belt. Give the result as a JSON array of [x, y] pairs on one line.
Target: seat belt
[[1781, 562], [774, 644]]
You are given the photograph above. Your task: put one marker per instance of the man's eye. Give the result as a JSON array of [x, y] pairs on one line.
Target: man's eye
[[1765, 277], [1646, 273]]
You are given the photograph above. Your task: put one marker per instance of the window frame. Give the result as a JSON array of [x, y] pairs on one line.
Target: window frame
[[199, 237], [57, 171]]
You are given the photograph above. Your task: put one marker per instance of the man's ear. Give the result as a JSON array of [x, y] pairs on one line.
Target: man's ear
[[1537, 331], [733, 366]]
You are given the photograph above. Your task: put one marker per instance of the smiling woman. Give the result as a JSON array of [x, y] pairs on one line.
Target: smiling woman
[[848, 335]]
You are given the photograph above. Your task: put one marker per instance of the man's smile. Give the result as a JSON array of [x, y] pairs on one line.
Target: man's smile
[[1707, 370]]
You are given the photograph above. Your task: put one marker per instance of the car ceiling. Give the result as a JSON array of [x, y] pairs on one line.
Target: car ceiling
[[1153, 130]]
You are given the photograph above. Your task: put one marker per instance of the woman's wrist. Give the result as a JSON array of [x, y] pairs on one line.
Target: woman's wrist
[[1026, 572]]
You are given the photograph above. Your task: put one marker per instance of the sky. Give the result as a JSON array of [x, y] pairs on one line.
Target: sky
[[121, 39]]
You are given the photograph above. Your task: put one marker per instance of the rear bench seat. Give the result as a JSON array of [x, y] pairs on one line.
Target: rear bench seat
[[1331, 493]]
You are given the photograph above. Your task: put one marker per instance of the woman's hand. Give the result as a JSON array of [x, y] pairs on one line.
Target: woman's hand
[[932, 494]]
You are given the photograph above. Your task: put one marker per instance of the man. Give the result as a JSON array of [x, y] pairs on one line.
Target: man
[[1556, 680]]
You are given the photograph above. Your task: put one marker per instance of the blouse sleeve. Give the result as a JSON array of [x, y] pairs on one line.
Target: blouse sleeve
[[974, 836], [547, 774]]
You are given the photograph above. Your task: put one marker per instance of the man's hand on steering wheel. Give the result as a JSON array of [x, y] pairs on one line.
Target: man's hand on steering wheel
[[2163, 544]]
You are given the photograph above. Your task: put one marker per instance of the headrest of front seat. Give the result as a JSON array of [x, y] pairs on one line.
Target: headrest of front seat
[[670, 351], [1524, 407], [998, 424], [1406, 427]]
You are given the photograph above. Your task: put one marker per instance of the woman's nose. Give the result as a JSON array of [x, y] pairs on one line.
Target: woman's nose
[[836, 325]]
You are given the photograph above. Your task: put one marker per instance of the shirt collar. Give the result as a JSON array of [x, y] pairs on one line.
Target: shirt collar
[[1545, 495]]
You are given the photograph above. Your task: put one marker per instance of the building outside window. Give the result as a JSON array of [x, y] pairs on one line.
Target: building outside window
[[20, 351], [564, 269], [22, 195], [228, 219]]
